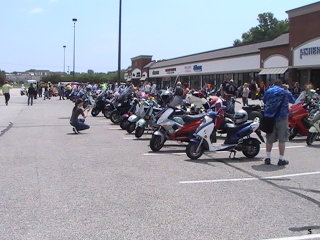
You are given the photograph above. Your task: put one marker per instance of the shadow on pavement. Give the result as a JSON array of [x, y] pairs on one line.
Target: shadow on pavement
[[267, 168]]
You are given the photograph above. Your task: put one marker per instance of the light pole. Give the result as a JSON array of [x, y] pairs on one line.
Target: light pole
[[64, 58], [74, 45], [119, 44]]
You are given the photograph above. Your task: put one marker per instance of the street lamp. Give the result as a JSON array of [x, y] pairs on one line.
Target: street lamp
[[74, 44], [119, 44], [64, 58]]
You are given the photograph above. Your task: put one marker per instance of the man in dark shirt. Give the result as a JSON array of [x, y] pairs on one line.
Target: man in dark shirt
[[31, 94]]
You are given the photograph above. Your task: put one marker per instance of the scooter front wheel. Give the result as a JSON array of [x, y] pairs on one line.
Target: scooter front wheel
[[115, 117], [94, 112], [131, 127], [194, 150], [139, 132], [124, 124], [311, 138], [156, 143]]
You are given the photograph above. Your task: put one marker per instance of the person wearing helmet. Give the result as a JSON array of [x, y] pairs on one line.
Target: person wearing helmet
[[177, 96]]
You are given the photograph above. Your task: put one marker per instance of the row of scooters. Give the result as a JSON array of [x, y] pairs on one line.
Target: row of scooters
[[196, 122]]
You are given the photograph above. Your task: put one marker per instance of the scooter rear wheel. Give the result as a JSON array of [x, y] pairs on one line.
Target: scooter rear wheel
[[194, 150], [251, 148], [292, 133]]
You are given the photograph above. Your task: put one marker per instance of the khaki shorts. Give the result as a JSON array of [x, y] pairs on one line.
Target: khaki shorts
[[280, 131]]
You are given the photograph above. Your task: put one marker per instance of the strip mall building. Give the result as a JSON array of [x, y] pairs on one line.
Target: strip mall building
[[293, 56]]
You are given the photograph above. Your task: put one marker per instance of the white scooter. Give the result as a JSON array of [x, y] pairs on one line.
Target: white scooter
[[238, 138]]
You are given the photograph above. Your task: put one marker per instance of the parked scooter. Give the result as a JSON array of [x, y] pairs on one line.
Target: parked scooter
[[314, 130], [149, 120], [298, 120], [124, 118], [174, 126], [100, 104], [121, 106], [238, 137], [134, 118]]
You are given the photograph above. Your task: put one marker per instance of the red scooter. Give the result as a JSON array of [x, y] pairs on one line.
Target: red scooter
[[298, 120]]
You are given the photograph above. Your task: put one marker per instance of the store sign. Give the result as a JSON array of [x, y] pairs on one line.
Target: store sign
[[309, 51], [307, 54], [170, 70], [197, 68], [188, 68]]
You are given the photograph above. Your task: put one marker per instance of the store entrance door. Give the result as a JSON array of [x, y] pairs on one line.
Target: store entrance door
[[315, 78]]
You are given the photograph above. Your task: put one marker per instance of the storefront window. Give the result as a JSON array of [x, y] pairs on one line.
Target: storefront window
[[195, 82]]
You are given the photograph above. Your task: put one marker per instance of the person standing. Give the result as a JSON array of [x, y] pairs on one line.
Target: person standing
[[6, 91], [31, 93], [61, 92], [253, 89], [245, 94], [276, 100]]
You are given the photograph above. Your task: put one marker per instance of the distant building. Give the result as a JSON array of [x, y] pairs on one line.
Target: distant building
[[23, 77]]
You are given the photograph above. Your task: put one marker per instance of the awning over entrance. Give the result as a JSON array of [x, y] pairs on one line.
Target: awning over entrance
[[280, 70], [144, 77]]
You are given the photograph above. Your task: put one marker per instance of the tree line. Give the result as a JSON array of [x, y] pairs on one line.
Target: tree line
[[89, 77], [268, 28]]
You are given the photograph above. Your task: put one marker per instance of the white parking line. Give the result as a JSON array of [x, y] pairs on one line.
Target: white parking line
[[311, 236], [207, 153], [287, 147], [250, 179]]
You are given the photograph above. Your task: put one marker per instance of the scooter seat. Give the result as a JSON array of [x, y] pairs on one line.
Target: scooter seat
[[192, 118], [231, 127]]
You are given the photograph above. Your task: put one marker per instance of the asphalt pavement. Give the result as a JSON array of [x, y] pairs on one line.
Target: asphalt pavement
[[105, 184]]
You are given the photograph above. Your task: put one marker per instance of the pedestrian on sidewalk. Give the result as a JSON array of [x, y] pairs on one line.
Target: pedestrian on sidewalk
[[276, 100], [6, 92], [31, 93], [245, 94]]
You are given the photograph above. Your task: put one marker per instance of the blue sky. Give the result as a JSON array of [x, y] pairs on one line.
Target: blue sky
[[33, 32]]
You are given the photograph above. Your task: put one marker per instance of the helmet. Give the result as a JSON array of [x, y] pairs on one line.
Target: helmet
[[166, 96], [240, 116], [214, 100]]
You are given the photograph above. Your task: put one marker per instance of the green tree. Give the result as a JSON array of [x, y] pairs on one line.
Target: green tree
[[269, 28]]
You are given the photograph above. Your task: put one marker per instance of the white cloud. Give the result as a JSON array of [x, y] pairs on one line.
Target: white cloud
[[36, 10]]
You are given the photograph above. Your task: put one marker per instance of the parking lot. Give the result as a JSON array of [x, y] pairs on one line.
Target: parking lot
[[105, 184]]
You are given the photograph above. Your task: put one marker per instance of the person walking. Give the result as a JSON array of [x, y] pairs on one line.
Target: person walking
[[245, 94], [6, 92], [78, 124], [31, 93], [61, 92], [276, 100]]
